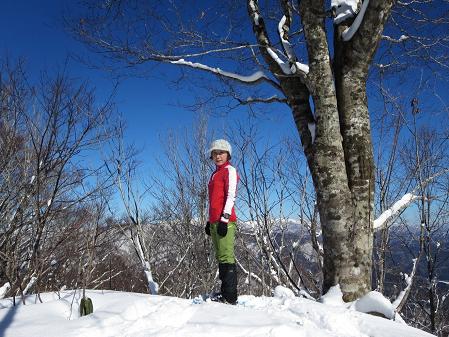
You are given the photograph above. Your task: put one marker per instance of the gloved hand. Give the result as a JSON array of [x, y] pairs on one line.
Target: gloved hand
[[222, 228], [207, 228]]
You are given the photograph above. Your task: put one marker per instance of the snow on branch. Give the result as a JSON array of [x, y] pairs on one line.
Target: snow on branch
[[406, 200], [254, 12], [300, 66], [283, 33], [30, 285], [402, 3], [4, 290], [286, 68], [312, 129], [249, 274], [349, 33], [257, 76], [202, 53], [402, 38], [152, 284], [402, 297], [398, 206], [171, 272], [343, 9], [271, 99], [346, 9]]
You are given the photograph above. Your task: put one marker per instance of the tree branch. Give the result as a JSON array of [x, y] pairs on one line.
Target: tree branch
[[369, 32], [404, 202], [272, 99], [284, 28], [257, 77], [276, 65]]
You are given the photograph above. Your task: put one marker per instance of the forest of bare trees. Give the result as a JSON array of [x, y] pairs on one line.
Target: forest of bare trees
[[66, 224]]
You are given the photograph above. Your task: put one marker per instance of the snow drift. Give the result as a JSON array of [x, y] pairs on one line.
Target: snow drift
[[138, 315]]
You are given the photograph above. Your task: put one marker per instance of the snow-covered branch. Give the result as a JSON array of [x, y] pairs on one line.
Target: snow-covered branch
[[299, 66], [275, 57], [23, 198], [346, 9], [203, 53], [286, 68], [403, 3], [397, 207], [254, 9], [312, 129], [254, 78], [30, 285], [103, 278], [283, 34], [170, 273], [404, 202], [284, 29], [152, 285], [343, 9], [402, 38], [402, 297], [271, 99], [4, 290], [349, 33], [249, 274], [270, 54]]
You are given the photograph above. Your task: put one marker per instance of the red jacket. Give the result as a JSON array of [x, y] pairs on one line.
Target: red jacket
[[222, 193]]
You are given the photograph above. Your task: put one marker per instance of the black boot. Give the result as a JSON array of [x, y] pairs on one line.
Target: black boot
[[227, 272], [221, 275]]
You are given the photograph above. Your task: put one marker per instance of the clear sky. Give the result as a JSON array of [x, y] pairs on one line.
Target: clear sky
[[34, 30]]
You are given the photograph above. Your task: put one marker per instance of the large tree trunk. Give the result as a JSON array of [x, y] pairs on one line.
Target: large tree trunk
[[342, 165], [336, 137], [346, 224], [350, 82]]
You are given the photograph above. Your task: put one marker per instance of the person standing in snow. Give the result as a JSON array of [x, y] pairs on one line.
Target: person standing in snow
[[222, 222]]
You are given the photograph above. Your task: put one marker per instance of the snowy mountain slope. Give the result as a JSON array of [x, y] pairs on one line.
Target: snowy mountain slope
[[138, 315]]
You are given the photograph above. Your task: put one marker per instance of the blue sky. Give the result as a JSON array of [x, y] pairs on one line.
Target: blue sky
[[150, 107], [37, 35]]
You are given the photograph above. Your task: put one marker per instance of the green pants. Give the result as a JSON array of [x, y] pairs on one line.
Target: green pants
[[224, 245]]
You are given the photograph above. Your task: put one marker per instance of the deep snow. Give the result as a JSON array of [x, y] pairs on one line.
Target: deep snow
[[138, 315]]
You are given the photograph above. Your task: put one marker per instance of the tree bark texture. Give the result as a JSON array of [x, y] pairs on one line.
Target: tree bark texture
[[343, 165]]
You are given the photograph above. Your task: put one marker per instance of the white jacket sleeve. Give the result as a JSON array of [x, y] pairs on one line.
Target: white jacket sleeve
[[231, 193]]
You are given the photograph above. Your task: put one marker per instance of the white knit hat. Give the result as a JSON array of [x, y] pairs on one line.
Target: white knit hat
[[220, 144]]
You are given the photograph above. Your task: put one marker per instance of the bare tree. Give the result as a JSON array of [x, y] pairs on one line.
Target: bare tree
[[412, 156], [274, 238], [392, 181], [265, 214], [46, 129], [122, 165], [429, 153], [179, 188]]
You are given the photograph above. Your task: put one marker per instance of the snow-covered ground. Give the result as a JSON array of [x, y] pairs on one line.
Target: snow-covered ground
[[138, 315]]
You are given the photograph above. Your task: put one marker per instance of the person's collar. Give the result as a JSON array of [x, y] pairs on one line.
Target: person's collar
[[218, 167]]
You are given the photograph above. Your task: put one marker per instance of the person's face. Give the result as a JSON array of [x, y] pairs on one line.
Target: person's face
[[219, 157]]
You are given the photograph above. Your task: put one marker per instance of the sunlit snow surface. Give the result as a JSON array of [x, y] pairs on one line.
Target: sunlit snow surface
[[138, 315]]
